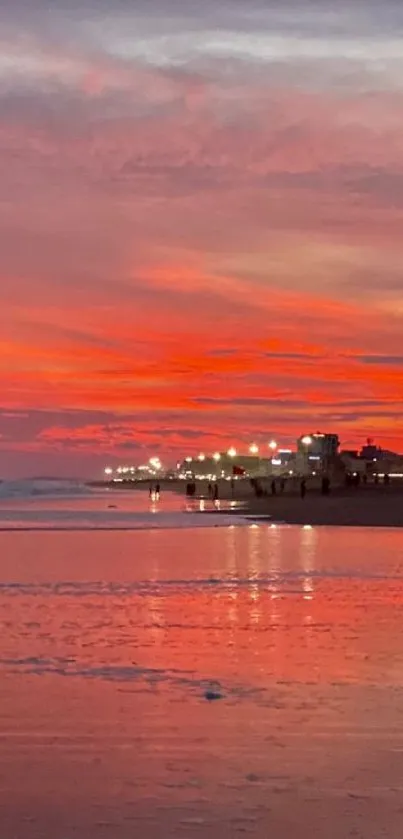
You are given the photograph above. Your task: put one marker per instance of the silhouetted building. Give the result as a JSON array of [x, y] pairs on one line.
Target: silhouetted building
[[316, 452]]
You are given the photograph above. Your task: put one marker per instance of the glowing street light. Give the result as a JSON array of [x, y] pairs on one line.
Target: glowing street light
[[201, 457], [231, 452], [272, 445], [188, 459], [216, 456], [254, 449], [108, 471], [307, 441]]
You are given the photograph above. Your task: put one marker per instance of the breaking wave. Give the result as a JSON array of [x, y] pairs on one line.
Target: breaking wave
[[44, 487]]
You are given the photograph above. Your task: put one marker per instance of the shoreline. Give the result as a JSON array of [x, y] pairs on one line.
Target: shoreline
[[372, 505], [372, 509]]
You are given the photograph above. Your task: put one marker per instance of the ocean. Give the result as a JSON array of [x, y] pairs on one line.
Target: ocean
[[171, 674], [53, 504]]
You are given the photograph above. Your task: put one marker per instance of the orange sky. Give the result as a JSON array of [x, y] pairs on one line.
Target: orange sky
[[200, 229]]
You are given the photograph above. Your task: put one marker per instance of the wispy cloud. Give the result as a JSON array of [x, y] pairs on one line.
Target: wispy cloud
[[201, 213]]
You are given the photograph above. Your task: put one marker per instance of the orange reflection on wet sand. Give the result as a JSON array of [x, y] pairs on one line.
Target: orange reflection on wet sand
[[112, 644]]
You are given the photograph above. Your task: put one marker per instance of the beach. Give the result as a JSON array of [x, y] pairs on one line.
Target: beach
[[234, 679], [371, 505], [366, 507]]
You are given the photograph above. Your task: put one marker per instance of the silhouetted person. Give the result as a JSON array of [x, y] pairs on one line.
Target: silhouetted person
[[365, 478], [151, 491], [325, 485], [282, 485], [210, 490], [232, 486], [273, 487], [302, 488], [215, 492], [386, 479], [376, 479]]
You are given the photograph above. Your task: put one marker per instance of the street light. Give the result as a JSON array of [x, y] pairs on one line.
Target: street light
[[307, 442], [273, 445], [216, 457], [201, 457], [108, 471], [254, 449], [231, 452]]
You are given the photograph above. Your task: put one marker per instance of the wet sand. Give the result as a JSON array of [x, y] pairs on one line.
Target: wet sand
[[366, 506], [111, 642], [373, 507]]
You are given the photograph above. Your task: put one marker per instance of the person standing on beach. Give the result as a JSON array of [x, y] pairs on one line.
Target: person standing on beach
[[273, 487], [303, 488], [325, 486]]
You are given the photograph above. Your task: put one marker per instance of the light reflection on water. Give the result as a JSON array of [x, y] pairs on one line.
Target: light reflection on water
[[110, 644], [105, 509]]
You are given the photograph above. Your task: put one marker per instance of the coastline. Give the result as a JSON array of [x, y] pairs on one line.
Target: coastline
[[372, 505], [378, 507]]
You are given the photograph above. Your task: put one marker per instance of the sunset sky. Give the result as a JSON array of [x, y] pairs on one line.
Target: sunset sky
[[201, 227]]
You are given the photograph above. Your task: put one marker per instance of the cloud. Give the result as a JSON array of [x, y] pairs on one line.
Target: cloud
[[382, 359], [201, 218]]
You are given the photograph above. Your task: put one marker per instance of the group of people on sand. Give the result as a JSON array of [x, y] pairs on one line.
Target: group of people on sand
[[356, 479], [154, 492], [324, 486], [212, 490], [278, 486]]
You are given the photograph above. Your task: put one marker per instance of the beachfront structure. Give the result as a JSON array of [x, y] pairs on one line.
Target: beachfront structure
[[283, 462], [373, 453], [228, 464], [316, 452], [231, 464], [124, 474]]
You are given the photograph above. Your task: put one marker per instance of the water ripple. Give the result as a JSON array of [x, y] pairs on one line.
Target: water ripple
[[130, 674]]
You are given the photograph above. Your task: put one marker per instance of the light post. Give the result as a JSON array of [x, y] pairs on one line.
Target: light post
[[232, 453], [307, 442]]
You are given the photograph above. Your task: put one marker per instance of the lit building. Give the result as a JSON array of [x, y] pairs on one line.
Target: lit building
[[125, 474], [372, 452], [224, 465], [316, 452], [283, 462]]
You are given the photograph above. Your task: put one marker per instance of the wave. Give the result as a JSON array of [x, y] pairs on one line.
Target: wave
[[31, 487]]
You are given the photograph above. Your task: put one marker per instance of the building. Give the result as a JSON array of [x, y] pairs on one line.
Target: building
[[316, 452], [283, 462], [224, 465], [373, 453]]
